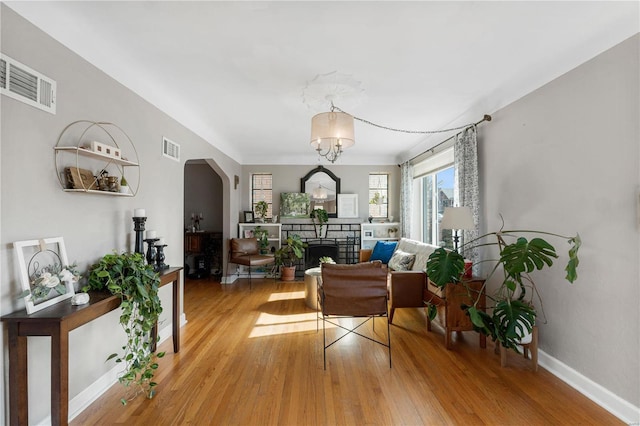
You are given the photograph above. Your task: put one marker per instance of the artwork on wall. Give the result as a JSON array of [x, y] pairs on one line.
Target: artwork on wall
[[45, 274], [294, 204], [348, 205]]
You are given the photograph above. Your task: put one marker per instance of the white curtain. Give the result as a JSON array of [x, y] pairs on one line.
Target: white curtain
[[406, 185], [466, 186]]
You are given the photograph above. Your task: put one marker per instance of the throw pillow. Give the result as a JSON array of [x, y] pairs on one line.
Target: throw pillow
[[383, 251], [401, 261]]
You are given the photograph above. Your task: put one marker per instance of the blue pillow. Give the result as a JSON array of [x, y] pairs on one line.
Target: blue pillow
[[383, 251]]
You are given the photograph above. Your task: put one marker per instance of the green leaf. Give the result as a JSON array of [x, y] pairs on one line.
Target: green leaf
[[476, 319], [444, 267], [526, 256], [432, 311], [511, 319], [572, 265]]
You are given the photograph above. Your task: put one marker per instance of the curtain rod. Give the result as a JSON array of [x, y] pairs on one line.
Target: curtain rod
[[486, 117]]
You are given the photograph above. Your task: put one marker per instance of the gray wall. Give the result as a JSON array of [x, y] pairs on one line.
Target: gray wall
[[34, 206], [565, 159], [353, 180]]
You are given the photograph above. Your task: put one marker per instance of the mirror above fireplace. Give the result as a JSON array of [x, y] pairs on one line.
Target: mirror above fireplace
[[323, 188]]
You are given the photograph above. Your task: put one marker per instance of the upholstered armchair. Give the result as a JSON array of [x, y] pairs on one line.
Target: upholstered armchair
[[246, 252]]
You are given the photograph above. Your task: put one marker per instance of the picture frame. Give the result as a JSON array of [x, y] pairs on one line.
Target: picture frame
[[368, 234], [347, 205], [248, 216], [248, 233], [42, 266]]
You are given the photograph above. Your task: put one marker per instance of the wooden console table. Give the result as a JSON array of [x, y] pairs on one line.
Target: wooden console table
[[57, 321], [448, 301]]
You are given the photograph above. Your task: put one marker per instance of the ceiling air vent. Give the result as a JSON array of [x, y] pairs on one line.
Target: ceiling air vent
[[20, 82], [170, 149]]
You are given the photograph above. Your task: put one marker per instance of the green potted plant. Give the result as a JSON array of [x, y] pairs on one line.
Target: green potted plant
[[319, 217], [513, 313], [128, 276], [263, 238], [261, 210], [124, 185], [288, 254]]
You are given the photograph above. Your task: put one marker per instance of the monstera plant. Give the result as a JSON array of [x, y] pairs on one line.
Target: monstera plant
[[513, 313]]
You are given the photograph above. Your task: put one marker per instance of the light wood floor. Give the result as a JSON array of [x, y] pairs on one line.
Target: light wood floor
[[254, 358]]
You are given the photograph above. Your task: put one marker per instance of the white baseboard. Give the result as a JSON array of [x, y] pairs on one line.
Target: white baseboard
[[229, 279], [85, 398], [617, 406]]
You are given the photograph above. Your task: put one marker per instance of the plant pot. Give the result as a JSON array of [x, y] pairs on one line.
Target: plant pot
[[287, 273], [321, 231], [124, 189]]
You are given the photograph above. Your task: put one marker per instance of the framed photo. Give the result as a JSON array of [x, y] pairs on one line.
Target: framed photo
[[248, 216], [368, 234], [248, 233], [294, 204], [45, 275], [348, 205]]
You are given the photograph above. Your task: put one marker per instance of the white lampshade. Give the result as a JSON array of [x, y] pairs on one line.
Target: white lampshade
[[457, 218], [331, 129]]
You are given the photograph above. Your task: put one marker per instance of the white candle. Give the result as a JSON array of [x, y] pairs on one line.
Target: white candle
[[160, 242], [139, 213], [151, 234]]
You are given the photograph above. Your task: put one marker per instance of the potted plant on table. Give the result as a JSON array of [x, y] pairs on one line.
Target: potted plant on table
[[319, 218], [513, 312], [128, 276], [261, 210], [288, 254]]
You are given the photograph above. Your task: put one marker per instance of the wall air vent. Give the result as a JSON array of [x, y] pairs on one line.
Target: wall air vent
[[170, 149], [20, 82]]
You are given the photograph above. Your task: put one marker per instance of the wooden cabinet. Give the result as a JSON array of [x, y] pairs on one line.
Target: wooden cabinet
[[371, 233], [204, 251], [448, 301]]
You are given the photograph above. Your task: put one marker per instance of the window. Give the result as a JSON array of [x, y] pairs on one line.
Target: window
[[378, 194], [437, 193], [433, 189], [262, 190]]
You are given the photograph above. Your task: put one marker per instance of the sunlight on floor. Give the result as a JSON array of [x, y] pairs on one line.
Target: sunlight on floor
[[271, 324], [286, 296]]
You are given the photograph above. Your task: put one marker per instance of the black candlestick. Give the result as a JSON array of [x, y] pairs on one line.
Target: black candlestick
[[151, 250], [138, 226], [160, 265]]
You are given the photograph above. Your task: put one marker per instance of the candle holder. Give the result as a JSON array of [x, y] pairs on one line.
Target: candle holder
[[138, 226], [151, 250], [160, 265]]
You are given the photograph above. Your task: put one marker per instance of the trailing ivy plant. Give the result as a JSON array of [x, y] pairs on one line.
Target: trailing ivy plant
[[513, 314], [128, 276]]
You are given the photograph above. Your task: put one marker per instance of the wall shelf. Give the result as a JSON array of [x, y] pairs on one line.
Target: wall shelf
[[80, 168]]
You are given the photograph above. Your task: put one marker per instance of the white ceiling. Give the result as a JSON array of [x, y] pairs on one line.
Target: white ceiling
[[234, 72]]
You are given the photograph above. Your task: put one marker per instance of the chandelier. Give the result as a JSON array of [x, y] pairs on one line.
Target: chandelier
[[331, 133]]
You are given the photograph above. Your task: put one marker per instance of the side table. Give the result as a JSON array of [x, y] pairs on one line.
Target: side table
[[57, 321], [311, 287], [448, 300]]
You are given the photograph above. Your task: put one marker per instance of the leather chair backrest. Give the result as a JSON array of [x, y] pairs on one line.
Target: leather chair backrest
[[354, 290], [244, 246]]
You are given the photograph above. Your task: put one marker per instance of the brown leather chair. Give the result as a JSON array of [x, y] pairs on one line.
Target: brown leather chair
[[246, 252], [358, 290]]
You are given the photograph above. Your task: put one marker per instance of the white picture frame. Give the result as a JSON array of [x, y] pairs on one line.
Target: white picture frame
[[347, 205], [36, 257], [368, 234]]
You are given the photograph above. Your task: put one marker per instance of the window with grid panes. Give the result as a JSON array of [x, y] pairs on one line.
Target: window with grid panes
[[262, 190], [378, 195]]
